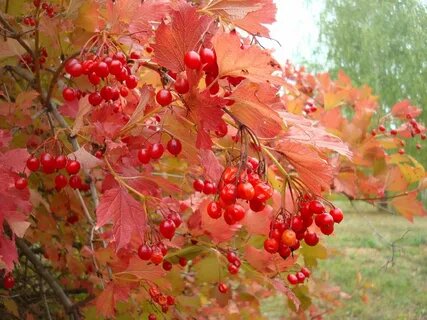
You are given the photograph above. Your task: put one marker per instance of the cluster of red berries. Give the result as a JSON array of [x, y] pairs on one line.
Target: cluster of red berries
[[207, 187], [110, 73], [286, 233], [8, 281], [168, 226], [299, 277], [29, 21], [155, 151], [48, 164], [234, 262], [309, 107], [245, 186], [47, 7], [164, 301], [27, 60], [154, 253]]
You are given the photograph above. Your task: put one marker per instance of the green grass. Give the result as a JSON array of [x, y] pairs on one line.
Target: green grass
[[359, 252]]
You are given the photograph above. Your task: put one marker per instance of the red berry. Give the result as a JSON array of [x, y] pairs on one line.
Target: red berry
[[60, 162], [231, 257], [73, 167], [144, 155], [214, 210], [257, 205], [152, 316], [245, 191], [156, 257], [207, 56], [337, 215], [167, 228], [75, 182], [263, 192], [311, 238], [115, 67], [306, 272], [8, 282], [393, 132], [381, 128], [229, 175], [232, 268], [164, 97], [131, 82], [145, 252], [297, 224], [134, 55], [36, 3], [101, 69], [174, 146], [156, 151], [60, 181], [271, 245], [192, 60], [209, 188], [182, 261], [221, 130], [229, 217], [292, 279], [289, 238], [300, 277], [106, 93], [75, 69], [401, 151], [222, 287], [423, 136], [228, 193], [68, 94], [236, 211], [181, 85], [170, 300], [94, 78], [324, 220], [327, 229], [33, 164], [284, 251], [176, 218], [316, 207], [48, 163], [124, 91], [95, 98], [167, 266], [198, 185], [21, 183]]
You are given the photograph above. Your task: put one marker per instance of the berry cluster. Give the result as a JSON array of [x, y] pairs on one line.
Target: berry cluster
[[164, 301], [299, 277], [286, 232], [48, 164], [207, 187], [26, 60], [309, 107], [47, 7], [155, 151], [168, 226], [234, 262], [243, 185], [110, 74], [154, 253]]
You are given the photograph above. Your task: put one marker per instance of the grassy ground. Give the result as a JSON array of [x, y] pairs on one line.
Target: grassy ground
[[360, 250]]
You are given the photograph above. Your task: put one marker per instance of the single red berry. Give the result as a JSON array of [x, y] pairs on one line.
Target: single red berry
[[316, 207], [144, 155], [221, 130], [176, 218], [106, 93], [174, 146], [232, 268], [164, 97], [298, 224], [75, 182], [236, 211], [182, 261], [228, 193], [167, 266], [75, 70], [21, 183], [68, 94], [245, 191], [300, 277], [324, 220], [156, 151], [124, 91], [170, 300], [182, 85], [8, 282], [152, 316], [167, 228], [271, 245], [145, 252], [207, 56], [94, 78], [311, 238], [393, 132], [337, 215], [305, 271], [231, 256], [214, 210], [60, 181], [131, 82], [115, 67], [60, 162], [33, 164], [256, 205], [292, 279], [401, 151], [381, 128], [95, 98], [327, 229], [36, 3], [134, 55], [192, 60], [222, 287], [229, 175], [198, 185], [101, 69], [47, 162], [284, 251], [209, 188], [72, 167], [263, 191], [98, 154]]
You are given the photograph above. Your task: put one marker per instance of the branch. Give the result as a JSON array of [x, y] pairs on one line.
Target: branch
[[15, 35], [50, 280]]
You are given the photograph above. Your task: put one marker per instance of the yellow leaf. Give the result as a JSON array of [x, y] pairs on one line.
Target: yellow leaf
[[331, 100]]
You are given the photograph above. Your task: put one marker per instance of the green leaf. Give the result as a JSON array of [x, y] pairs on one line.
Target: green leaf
[[312, 254]]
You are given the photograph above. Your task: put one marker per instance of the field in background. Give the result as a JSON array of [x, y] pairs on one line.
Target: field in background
[[359, 252]]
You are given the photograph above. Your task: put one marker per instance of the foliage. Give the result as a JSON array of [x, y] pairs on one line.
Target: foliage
[[211, 159]]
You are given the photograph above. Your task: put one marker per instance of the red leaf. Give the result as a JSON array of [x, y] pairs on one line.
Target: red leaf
[[8, 253], [402, 108], [266, 262], [186, 32], [127, 215], [19, 157], [258, 222], [408, 206], [5, 138], [142, 14], [314, 171], [142, 270], [87, 160], [107, 300], [213, 169], [254, 21]]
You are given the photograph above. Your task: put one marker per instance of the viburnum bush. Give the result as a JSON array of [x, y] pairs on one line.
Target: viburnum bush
[[157, 162]]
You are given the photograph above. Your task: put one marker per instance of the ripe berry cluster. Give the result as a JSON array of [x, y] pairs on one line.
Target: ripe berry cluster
[[309, 107], [244, 185], [234, 262], [299, 277], [153, 253], [164, 301], [110, 74], [155, 151], [47, 7], [168, 226], [26, 60], [286, 232], [48, 164]]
